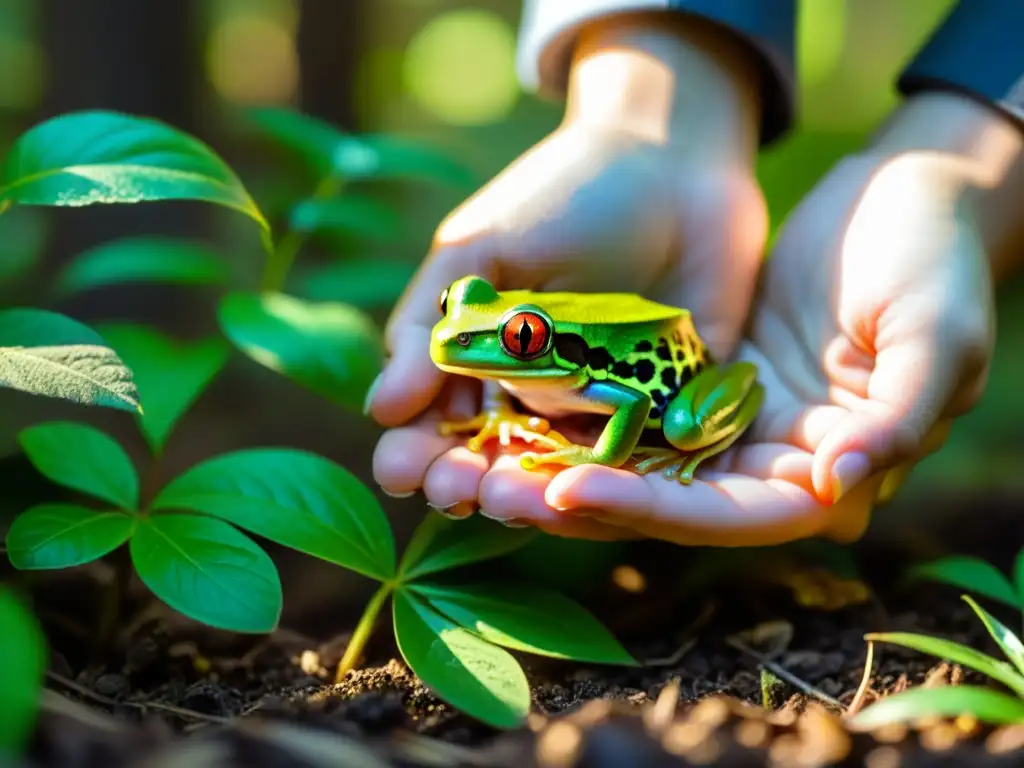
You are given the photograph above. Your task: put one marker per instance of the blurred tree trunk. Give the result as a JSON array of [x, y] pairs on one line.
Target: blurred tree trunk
[[330, 45]]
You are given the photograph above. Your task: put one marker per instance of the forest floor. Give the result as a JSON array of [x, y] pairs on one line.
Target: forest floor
[[171, 694]]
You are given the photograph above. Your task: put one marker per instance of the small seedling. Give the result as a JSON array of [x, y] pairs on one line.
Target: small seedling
[[985, 704]]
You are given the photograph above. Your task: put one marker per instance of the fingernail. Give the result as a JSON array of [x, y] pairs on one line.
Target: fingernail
[[404, 495], [553, 494], [458, 510], [368, 400], [849, 470], [509, 522]]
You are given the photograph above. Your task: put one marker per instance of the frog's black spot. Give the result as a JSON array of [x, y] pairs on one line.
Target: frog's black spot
[[622, 369], [664, 353], [669, 378], [644, 346], [599, 359], [680, 355], [656, 412], [658, 397], [572, 347], [643, 370]]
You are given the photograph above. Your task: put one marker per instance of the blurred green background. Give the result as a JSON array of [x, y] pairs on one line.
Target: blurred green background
[[436, 70]]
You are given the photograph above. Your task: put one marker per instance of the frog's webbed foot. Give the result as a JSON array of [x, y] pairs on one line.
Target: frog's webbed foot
[[504, 423], [670, 461]]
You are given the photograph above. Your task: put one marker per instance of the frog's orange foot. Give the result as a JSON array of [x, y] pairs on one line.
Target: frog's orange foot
[[504, 425]]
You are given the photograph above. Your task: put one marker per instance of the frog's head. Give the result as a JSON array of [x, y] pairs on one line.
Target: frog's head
[[492, 335]]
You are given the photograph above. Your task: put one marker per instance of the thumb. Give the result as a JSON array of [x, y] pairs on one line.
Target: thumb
[[410, 381], [916, 383]]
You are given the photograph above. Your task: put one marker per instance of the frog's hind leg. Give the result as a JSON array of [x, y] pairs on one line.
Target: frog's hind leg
[[708, 415], [656, 458], [498, 419]]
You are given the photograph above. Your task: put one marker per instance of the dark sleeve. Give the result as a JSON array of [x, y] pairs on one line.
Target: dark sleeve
[[977, 51], [768, 26]]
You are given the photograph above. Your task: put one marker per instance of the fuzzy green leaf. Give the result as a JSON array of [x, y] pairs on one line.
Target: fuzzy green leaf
[[208, 571], [350, 215], [1008, 642], [102, 157], [295, 498], [65, 535], [970, 573], [985, 704], [142, 260], [363, 283], [170, 375], [332, 349], [439, 544], [82, 458], [23, 649], [956, 653], [44, 353], [528, 618], [471, 674]]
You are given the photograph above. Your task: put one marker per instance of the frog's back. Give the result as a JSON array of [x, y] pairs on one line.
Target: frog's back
[[589, 309]]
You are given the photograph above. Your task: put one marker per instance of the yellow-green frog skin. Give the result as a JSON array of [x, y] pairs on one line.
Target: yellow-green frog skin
[[640, 362]]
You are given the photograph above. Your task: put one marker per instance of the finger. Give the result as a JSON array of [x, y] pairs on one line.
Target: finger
[[403, 456], [911, 389], [455, 477], [723, 509], [511, 494], [409, 383]]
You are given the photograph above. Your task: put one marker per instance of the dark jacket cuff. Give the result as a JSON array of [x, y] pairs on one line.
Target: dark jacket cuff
[[768, 26], [977, 51]]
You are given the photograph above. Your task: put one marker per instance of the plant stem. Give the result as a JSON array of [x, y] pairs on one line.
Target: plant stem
[[363, 631], [114, 598], [279, 263]]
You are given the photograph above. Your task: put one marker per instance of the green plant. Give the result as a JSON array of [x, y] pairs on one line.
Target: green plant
[[976, 575], [186, 538], [987, 705], [23, 650]]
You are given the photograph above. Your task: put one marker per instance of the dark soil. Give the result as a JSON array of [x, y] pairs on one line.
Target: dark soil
[[172, 694]]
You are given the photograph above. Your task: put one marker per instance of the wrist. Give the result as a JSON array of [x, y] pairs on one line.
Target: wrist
[[977, 153], [683, 83]]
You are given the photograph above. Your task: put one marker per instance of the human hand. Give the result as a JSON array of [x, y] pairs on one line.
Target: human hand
[[873, 330], [647, 186]]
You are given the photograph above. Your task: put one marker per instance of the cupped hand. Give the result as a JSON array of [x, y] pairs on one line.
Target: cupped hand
[[873, 329], [587, 209]]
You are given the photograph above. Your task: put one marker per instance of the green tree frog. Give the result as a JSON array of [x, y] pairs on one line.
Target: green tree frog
[[637, 361]]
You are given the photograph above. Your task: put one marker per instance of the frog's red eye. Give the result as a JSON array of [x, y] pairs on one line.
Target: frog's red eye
[[525, 335]]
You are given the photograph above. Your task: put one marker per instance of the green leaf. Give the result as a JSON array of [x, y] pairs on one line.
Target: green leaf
[[970, 573], [23, 649], [481, 679], [44, 353], [325, 151], [295, 498], [312, 140], [142, 260], [170, 375], [101, 157], [83, 458], [65, 535], [987, 705], [1008, 642], [956, 653], [349, 215], [527, 618], [209, 571], [1018, 577], [439, 544], [332, 349], [363, 283]]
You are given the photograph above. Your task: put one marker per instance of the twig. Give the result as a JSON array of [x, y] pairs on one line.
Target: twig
[[865, 682], [674, 658], [782, 673], [106, 701]]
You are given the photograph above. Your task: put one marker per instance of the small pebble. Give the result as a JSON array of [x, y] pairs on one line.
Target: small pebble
[[111, 685]]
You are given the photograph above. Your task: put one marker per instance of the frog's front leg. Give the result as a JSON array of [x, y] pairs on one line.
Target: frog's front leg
[[707, 416], [498, 419], [630, 409]]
